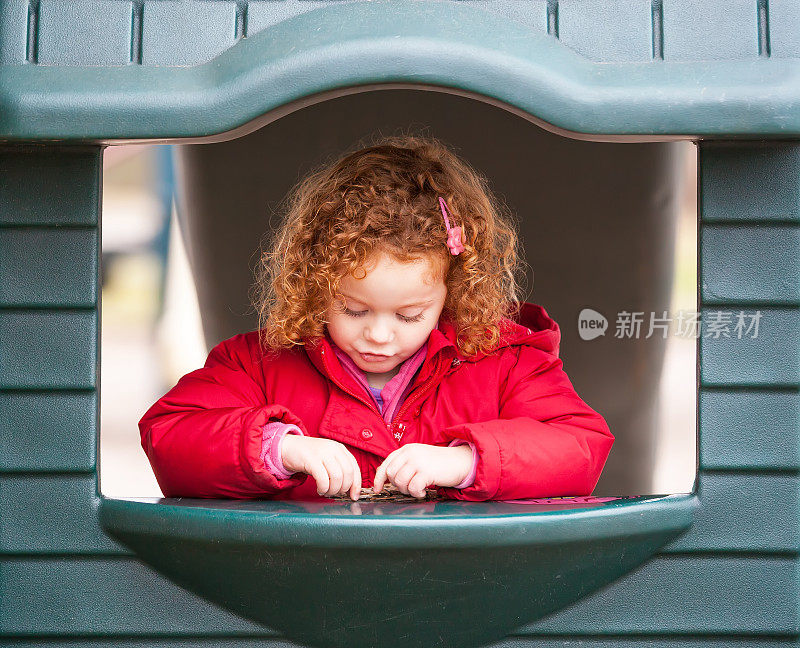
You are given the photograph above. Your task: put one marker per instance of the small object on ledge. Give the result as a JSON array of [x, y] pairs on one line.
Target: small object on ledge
[[389, 493]]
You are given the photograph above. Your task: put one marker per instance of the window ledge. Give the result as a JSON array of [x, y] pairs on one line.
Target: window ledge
[[324, 572]]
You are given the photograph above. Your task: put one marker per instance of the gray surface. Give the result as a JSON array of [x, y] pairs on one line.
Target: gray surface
[[266, 13], [739, 512], [531, 13], [66, 37], [186, 33], [575, 641], [346, 47], [699, 30], [784, 28], [13, 31], [607, 30]]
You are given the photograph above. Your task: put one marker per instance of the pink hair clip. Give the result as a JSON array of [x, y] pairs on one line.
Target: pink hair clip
[[454, 239]]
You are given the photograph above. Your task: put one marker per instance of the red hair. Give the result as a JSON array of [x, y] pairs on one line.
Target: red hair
[[384, 199]]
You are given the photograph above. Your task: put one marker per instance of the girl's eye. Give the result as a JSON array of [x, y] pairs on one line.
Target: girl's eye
[[416, 318]]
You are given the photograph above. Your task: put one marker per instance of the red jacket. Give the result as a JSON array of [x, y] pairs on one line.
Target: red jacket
[[534, 436]]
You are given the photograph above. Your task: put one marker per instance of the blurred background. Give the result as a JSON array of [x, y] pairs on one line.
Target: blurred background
[[153, 332]]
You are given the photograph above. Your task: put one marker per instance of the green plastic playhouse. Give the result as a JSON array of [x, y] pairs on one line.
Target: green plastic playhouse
[[715, 567]]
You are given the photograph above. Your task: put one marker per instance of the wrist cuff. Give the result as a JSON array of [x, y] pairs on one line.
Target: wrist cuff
[[271, 438], [470, 478]]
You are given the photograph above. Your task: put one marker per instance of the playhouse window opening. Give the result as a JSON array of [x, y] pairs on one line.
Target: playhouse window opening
[[152, 332]]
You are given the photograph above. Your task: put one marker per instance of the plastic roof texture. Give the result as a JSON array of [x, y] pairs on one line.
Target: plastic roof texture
[[108, 70]]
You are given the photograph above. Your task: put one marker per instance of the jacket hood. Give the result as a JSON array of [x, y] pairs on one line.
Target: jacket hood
[[528, 325], [532, 326]]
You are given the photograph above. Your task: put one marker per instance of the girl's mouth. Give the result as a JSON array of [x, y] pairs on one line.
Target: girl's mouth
[[371, 357]]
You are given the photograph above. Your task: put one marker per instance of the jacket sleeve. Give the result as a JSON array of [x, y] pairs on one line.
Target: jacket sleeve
[[546, 442], [204, 436]]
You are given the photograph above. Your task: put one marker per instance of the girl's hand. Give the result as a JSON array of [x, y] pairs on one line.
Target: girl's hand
[[416, 466], [329, 462]]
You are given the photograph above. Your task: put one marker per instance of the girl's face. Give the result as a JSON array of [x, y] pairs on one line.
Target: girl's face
[[388, 313]]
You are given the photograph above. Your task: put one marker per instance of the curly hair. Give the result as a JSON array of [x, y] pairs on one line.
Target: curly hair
[[383, 198]]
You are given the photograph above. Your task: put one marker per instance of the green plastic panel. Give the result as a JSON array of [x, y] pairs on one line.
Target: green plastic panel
[[698, 595], [755, 181], [772, 358], [47, 432], [63, 519], [731, 581], [40, 266], [409, 42], [13, 39], [751, 264], [784, 39], [67, 38], [53, 185], [119, 597], [749, 429], [267, 13], [739, 512], [746, 513], [50, 350], [585, 28], [701, 30], [84, 597], [208, 29], [533, 14]]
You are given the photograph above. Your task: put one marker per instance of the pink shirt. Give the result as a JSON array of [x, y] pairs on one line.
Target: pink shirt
[[388, 402]]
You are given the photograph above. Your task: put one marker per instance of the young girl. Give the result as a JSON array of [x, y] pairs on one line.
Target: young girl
[[391, 349]]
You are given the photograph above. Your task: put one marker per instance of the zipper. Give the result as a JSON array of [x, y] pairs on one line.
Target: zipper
[[358, 397], [403, 409], [411, 400]]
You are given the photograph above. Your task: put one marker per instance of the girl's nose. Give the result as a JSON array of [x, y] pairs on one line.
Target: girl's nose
[[379, 333]]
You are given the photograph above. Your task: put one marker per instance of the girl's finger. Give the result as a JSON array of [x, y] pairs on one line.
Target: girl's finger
[[402, 476], [395, 464], [417, 485], [380, 478], [335, 474], [380, 474], [355, 488], [347, 472], [320, 475]]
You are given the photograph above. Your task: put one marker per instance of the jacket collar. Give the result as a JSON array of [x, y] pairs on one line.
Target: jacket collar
[[321, 353], [529, 325]]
